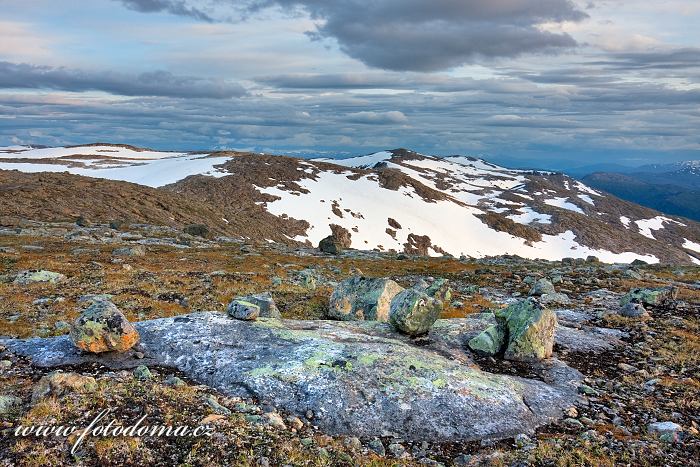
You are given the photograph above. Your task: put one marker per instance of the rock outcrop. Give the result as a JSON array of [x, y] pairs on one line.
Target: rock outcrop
[[385, 387], [530, 329]]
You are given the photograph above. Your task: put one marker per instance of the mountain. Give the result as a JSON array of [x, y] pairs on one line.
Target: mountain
[[395, 200], [670, 188]]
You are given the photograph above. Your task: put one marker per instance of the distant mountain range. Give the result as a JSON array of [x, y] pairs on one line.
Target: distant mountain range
[[669, 188], [396, 200]]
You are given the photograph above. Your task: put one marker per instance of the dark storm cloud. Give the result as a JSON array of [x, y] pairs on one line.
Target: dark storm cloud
[[156, 83], [175, 7], [419, 35]]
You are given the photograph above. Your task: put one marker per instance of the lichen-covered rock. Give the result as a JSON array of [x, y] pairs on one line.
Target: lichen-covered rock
[[652, 297], [488, 342], [196, 230], [9, 403], [31, 277], [356, 378], [541, 287], [413, 312], [438, 289], [530, 329], [243, 310], [59, 383], [268, 308], [134, 251], [102, 327], [556, 298], [363, 298], [633, 310]]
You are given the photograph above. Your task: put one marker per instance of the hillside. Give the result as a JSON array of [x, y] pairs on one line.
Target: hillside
[[398, 201]]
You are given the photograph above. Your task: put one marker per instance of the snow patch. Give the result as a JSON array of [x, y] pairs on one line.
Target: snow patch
[[563, 203]]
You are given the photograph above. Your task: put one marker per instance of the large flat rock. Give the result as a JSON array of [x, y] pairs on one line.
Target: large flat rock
[[358, 378]]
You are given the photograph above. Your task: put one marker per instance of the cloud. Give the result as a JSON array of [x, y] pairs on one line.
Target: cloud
[[416, 35], [156, 83], [379, 118], [175, 7]]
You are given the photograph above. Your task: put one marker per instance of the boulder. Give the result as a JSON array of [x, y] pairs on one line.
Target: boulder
[[666, 431], [363, 298], [330, 245], [653, 297], [264, 301], [488, 342], [102, 327], [196, 230], [243, 310], [438, 289], [530, 329], [31, 277], [59, 383], [413, 312], [633, 310], [555, 299], [541, 287]]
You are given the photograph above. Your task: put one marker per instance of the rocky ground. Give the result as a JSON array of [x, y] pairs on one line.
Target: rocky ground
[[637, 371]]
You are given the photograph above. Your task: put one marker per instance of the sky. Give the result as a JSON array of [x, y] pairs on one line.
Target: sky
[[546, 83]]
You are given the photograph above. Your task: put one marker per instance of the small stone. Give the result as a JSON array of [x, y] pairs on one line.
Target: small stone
[[306, 442], [197, 230], [633, 310], [573, 423], [102, 327], [295, 422], [413, 312], [5, 364], [530, 332], [215, 406], [571, 412], [134, 251], [9, 404], [541, 287], [309, 414], [522, 440], [174, 381], [59, 383], [353, 443], [142, 373], [377, 446], [274, 419], [396, 450], [666, 431], [489, 342], [587, 390], [243, 310], [627, 368]]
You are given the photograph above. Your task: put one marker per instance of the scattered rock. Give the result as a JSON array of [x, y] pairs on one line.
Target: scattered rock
[[413, 312], [330, 245], [489, 342], [9, 404], [541, 287], [438, 289], [363, 298], [275, 420], [243, 310], [174, 381], [59, 383], [197, 230], [633, 310], [530, 329], [102, 327], [265, 302], [377, 446], [652, 297], [133, 251], [142, 373], [666, 431], [31, 277]]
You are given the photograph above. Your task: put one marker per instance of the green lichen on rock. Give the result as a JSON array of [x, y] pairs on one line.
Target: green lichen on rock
[[653, 297], [31, 277], [530, 328], [102, 327], [413, 312], [440, 290], [363, 298], [243, 310], [488, 342]]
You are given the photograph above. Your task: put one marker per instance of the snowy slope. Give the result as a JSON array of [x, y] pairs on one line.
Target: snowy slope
[[401, 201]]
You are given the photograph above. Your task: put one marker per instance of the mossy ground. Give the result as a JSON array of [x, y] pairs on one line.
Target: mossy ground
[[169, 281]]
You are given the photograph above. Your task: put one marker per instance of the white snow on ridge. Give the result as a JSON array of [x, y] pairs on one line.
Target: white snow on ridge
[[689, 245], [154, 173], [117, 152], [369, 160], [451, 226], [586, 199], [625, 221], [529, 216], [586, 189], [563, 203], [645, 226]]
